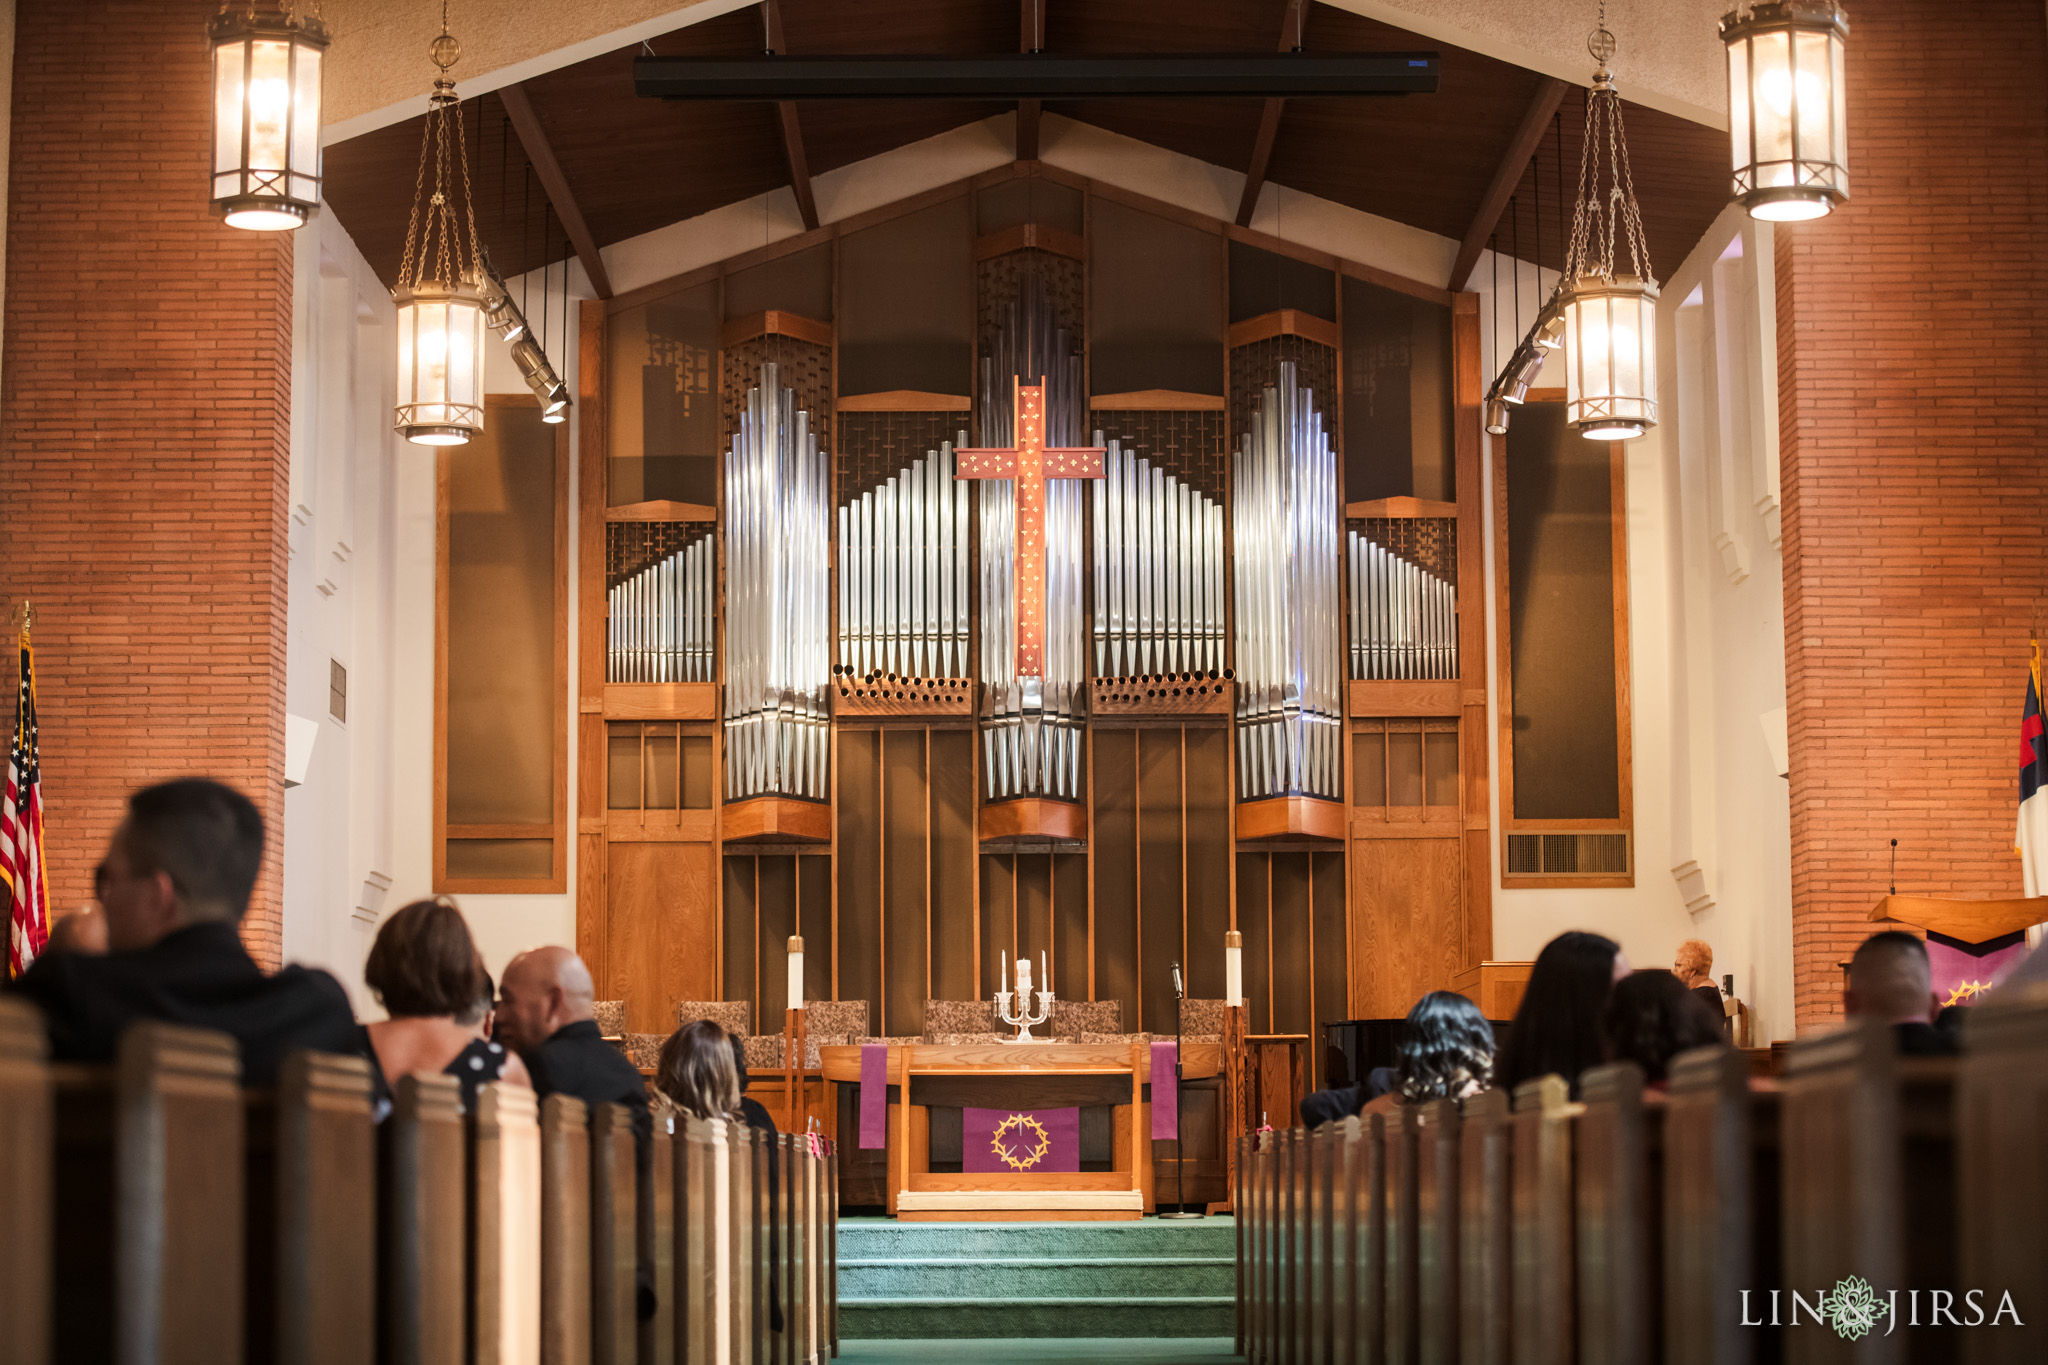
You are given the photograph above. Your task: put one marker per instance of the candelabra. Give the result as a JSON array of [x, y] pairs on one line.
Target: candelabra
[[1020, 1016]]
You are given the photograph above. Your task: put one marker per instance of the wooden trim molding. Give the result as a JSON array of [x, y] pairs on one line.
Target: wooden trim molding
[[1031, 236], [1400, 508], [1292, 817], [903, 400], [661, 509], [1032, 818], [775, 322], [1285, 322], [1157, 400]]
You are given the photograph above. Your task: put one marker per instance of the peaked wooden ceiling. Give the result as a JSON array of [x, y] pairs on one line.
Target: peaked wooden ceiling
[[631, 165]]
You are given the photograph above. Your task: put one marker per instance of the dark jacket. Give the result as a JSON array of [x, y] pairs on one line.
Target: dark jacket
[[1925, 1040], [199, 976], [1329, 1106]]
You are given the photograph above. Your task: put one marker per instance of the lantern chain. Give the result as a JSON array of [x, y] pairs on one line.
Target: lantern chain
[[1595, 225], [442, 236]]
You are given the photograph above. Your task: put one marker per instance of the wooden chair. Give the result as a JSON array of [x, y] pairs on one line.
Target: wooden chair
[[1720, 1202], [1486, 1250], [1542, 1278], [2001, 1114], [420, 1229], [1437, 1138], [1615, 1219], [614, 1236], [27, 1146], [565, 1224], [311, 1187], [1401, 1137], [505, 1218]]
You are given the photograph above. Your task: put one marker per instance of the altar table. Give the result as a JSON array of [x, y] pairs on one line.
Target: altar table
[[1029, 1075]]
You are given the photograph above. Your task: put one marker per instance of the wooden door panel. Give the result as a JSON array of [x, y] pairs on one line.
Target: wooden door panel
[[1406, 923], [662, 914]]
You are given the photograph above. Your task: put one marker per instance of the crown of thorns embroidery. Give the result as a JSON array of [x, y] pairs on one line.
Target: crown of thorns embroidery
[[1018, 1123]]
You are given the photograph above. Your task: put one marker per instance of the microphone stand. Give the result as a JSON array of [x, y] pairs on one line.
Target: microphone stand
[[1180, 1165]]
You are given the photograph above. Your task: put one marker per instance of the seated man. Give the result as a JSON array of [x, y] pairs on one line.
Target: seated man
[[1890, 981], [172, 888]]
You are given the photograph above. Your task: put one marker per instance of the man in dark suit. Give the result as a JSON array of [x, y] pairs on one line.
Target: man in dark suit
[[172, 889], [1890, 981]]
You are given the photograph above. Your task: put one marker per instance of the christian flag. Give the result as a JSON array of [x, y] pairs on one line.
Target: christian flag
[[2033, 829], [21, 830]]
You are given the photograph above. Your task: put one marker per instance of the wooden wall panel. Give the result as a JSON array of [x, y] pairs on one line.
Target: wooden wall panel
[[1034, 912], [953, 854], [1208, 858], [662, 924], [1293, 980], [1405, 922], [814, 914], [737, 966], [1160, 936], [1070, 925], [1332, 963], [1255, 923], [774, 922], [860, 868], [906, 866], [1113, 827], [998, 920]]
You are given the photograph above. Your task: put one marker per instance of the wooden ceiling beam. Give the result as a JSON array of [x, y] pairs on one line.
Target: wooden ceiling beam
[[1030, 38], [1291, 20], [792, 130], [1513, 163], [546, 169]]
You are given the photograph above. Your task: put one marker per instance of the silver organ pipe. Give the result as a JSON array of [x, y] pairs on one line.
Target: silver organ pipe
[[1158, 571], [1031, 744], [1288, 648], [778, 509], [658, 622], [1404, 619], [903, 574]]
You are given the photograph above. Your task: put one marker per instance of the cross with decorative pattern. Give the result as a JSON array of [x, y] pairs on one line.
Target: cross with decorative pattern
[[1029, 463]]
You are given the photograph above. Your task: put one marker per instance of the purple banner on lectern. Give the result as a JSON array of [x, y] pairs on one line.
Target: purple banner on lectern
[[1165, 1092], [874, 1095], [1965, 972], [993, 1140]]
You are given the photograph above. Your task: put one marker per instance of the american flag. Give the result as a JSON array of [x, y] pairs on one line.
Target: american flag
[[21, 830]]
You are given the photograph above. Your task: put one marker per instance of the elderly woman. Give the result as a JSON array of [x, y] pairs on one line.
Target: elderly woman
[[1694, 968]]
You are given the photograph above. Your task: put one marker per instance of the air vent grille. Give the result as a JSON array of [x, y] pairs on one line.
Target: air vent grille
[[1600, 853]]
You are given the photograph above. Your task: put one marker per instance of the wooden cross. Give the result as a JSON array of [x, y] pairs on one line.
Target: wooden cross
[[1029, 463]]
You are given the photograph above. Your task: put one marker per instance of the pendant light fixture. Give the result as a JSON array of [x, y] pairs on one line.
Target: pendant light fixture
[[266, 113], [1786, 107], [504, 317], [441, 293], [1610, 314]]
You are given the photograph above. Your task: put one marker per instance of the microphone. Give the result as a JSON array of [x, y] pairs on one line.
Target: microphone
[[1178, 993], [1895, 867]]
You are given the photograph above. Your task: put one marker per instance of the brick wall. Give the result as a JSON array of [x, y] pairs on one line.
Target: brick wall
[[1912, 331], [144, 417]]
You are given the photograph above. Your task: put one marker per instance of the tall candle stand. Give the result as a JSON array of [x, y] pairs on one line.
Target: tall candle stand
[[1021, 1016]]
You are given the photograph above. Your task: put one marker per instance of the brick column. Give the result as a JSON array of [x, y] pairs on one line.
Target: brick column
[[1912, 340], [145, 404]]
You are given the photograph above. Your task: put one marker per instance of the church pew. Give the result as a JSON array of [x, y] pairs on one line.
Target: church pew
[[747, 1176], [1438, 1132], [1720, 1209], [1300, 1332], [694, 1288], [565, 1306], [1542, 1279], [505, 1227], [1400, 1135], [1365, 1176], [311, 1179], [420, 1223], [830, 1255], [1315, 1256], [2001, 1113], [27, 1144], [1486, 1231], [614, 1238], [1615, 1215], [657, 1235], [1240, 1231], [148, 1247]]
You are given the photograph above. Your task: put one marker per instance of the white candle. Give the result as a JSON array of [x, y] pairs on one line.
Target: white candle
[[1044, 972], [796, 973], [1003, 971], [1233, 968], [1024, 978]]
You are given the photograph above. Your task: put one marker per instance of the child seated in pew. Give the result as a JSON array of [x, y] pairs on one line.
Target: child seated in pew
[[425, 970], [1651, 1017], [1557, 1026], [172, 889], [1446, 1052]]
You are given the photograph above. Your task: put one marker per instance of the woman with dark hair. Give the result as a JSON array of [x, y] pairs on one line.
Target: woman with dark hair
[[1651, 1017], [425, 970], [1446, 1052], [1557, 1028]]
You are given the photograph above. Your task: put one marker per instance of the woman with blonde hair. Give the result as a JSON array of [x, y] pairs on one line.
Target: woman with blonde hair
[[696, 1073]]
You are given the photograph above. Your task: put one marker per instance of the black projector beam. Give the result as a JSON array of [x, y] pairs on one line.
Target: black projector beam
[[1037, 76]]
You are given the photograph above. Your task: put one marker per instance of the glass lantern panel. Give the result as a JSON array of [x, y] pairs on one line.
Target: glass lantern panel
[[1838, 86], [1574, 353], [465, 353], [1625, 338], [1738, 108], [227, 115], [431, 375], [1646, 328], [1816, 107], [270, 110], [306, 114], [1771, 106], [408, 379]]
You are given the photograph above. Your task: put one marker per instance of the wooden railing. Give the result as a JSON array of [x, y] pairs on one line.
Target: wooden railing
[[155, 1211], [1632, 1227]]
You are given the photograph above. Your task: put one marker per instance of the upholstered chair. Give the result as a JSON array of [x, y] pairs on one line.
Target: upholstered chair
[[1072, 1018], [1201, 1021], [644, 1049], [840, 1019], [1118, 1039], [943, 1018], [966, 1039], [734, 1016], [611, 1017]]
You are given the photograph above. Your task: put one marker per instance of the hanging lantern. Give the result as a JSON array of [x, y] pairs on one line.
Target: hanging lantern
[[266, 116], [442, 291], [1610, 314], [1786, 129]]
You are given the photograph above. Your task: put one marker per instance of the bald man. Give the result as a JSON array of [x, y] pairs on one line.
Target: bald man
[[1890, 981], [547, 1013]]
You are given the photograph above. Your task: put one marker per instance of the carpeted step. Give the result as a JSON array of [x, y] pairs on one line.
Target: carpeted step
[[1090, 1277], [873, 1238], [905, 1318]]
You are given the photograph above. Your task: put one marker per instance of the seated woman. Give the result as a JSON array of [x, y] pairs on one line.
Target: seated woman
[[1446, 1052], [425, 970], [699, 1075], [1557, 1027], [1651, 1017]]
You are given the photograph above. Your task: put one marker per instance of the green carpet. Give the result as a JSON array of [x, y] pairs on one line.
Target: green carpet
[[1046, 1351], [1065, 1286]]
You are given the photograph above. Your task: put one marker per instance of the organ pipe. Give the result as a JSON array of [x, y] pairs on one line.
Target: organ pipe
[[658, 622], [1158, 572], [903, 574], [778, 510], [1404, 619], [1288, 519]]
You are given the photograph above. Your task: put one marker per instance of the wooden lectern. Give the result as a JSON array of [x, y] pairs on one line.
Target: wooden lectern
[[1965, 921]]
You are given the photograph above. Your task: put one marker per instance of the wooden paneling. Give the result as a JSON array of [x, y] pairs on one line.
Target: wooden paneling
[[906, 883], [1025, 236], [1157, 400], [1033, 818], [775, 819], [1115, 757], [1405, 697], [661, 701], [1406, 930], [953, 854], [592, 931], [775, 322], [1207, 857], [1285, 322], [661, 924], [859, 863], [903, 400], [1291, 817]]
